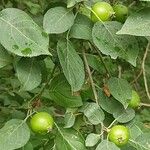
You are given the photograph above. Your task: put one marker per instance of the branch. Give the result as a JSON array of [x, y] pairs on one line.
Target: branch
[[144, 72], [119, 70], [138, 76], [132, 4], [90, 77], [101, 58], [44, 86], [144, 104]]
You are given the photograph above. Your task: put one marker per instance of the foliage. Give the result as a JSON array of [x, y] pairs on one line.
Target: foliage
[[54, 59]]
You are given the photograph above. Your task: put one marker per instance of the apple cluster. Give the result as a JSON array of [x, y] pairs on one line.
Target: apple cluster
[[103, 11]]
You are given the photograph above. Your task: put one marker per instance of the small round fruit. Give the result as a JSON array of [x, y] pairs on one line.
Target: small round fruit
[[103, 10], [121, 12], [41, 122], [119, 135], [135, 100]]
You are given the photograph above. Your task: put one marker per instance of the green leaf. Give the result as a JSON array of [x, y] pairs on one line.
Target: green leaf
[[21, 35], [142, 142], [124, 115], [28, 146], [106, 40], [135, 131], [60, 92], [29, 73], [137, 24], [106, 145], [14, 134], [5, 58], [128, 147], [109, 104], [69, 118], [71, 3], [72, 64], [58, 20], [82, 28], [34, 8], [120, 90], [95, 63], [94, 113], [92, 139], [69, 139]]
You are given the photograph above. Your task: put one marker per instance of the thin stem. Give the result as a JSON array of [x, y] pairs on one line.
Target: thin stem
[[112, 36], [101, 58], [102, 131], [67, 37], [97, 86], [132, 4], [144, 104], [29, 113], [112, 123], [138, 76], [144, 72], [119, 70], [77, 114], [44, 86], [90, 77]]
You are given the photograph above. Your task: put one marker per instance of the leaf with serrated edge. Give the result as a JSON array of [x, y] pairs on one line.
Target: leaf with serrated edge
[[29, 73], [69, 139], [21, 35], [14, 135], [58, 20], [72, 64]]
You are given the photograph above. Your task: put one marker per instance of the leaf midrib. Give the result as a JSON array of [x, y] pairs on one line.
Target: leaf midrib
[[12, 26]]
